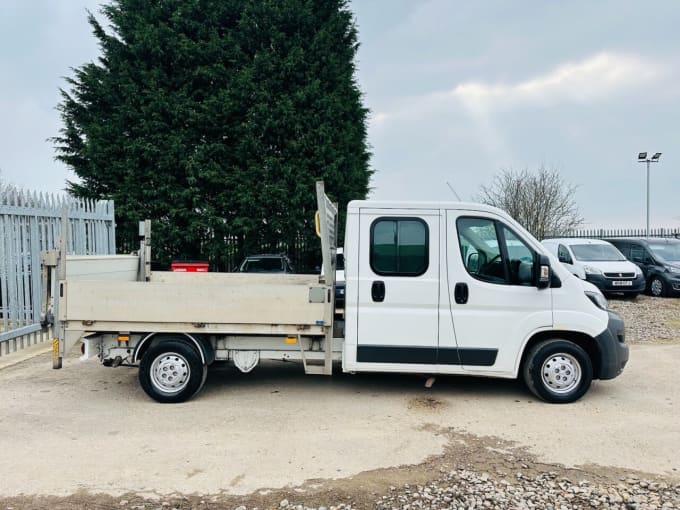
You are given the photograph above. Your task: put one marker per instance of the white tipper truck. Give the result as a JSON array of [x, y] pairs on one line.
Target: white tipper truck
[[431, 288]]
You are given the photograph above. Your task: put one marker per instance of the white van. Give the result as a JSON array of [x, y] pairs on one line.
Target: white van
[[600, 263]]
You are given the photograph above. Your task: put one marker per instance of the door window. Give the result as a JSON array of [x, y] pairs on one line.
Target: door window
[[637, 253], [563, 254], [493, 253], [624, 249], [399, 247]]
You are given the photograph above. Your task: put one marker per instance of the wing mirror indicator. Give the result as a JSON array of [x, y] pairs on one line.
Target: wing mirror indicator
[[542, 274]]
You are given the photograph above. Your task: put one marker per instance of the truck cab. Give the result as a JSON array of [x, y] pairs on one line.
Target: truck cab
[[464, 289]]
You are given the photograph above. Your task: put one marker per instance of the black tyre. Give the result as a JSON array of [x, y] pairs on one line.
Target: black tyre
[[558, 371], [657, 287], [171, 372]]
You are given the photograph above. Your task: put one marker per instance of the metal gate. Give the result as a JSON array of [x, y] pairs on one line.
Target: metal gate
[[29, 224]]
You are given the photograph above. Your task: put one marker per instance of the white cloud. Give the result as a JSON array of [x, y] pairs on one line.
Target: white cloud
[[599, 76], [591, 79]]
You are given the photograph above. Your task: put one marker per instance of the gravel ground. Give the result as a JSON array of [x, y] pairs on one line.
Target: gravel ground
[[464, 489], [649, 319]]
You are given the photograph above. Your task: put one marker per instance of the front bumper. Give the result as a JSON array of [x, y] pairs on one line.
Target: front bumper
[[605, 284], [613, 349], [672, 283]]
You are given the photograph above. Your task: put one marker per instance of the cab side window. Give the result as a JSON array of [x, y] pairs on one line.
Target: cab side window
[[520, 258], [399, 247], [493, 253], [563, 254], [624, 249], [637, 254]]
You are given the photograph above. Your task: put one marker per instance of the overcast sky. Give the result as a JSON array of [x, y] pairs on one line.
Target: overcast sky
[[457, 91]]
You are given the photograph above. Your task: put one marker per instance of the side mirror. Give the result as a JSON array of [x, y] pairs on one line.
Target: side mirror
[[542, 272], [472, 263], [524, 273], [638, 260], [565, 259]]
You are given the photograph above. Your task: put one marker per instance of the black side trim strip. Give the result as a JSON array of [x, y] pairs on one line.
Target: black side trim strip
[[426, 355], [387, 354], [478, 357]]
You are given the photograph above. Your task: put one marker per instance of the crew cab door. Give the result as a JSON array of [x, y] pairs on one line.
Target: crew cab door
[[398, 290], [501, 306]]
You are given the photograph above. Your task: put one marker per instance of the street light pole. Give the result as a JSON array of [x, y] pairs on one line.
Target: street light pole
[[647, 229], [642, 158]]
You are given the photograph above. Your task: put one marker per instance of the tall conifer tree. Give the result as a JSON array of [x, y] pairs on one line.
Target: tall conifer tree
[[214, 118]]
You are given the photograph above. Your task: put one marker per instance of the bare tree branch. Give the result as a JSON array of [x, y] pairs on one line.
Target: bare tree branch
[[542, 201]]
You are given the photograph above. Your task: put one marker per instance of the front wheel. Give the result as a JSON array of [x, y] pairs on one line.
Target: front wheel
[[558, 371], [657, 287], [171, 372]]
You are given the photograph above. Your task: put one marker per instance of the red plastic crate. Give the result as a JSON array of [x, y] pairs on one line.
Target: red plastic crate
[[189, 267]]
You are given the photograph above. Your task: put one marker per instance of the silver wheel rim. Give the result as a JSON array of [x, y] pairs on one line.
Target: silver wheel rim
[[657, 287], [561, 373], [170, 373]]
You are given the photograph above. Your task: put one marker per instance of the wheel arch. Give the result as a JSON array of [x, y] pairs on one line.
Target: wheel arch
[[583, 340], [199, 342]]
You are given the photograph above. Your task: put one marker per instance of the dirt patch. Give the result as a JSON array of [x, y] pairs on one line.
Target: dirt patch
[[425, 403]]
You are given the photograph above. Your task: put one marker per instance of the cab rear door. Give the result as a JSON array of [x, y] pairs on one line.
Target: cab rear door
[[398, 288]]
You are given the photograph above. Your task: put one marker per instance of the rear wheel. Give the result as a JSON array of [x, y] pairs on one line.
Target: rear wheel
[[657, 287], [558, 371], [171, 372]]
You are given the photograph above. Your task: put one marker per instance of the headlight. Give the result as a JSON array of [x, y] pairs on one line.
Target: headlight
[[673, 269], [598, 299], [591, 270]]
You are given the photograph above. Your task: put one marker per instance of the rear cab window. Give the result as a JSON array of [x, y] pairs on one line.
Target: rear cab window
[[399, 247]]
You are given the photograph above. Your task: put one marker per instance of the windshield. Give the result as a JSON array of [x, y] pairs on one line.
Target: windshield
[[669, 252], [596, 252], [262, 265]]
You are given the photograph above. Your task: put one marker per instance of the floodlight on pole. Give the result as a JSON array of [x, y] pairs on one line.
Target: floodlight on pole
[[642, 158]]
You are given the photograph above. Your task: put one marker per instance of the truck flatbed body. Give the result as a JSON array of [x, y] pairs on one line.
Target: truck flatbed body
[[202, 302]]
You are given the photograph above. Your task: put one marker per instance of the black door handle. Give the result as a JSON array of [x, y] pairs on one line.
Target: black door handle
[[461, 293], [378, 291]]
